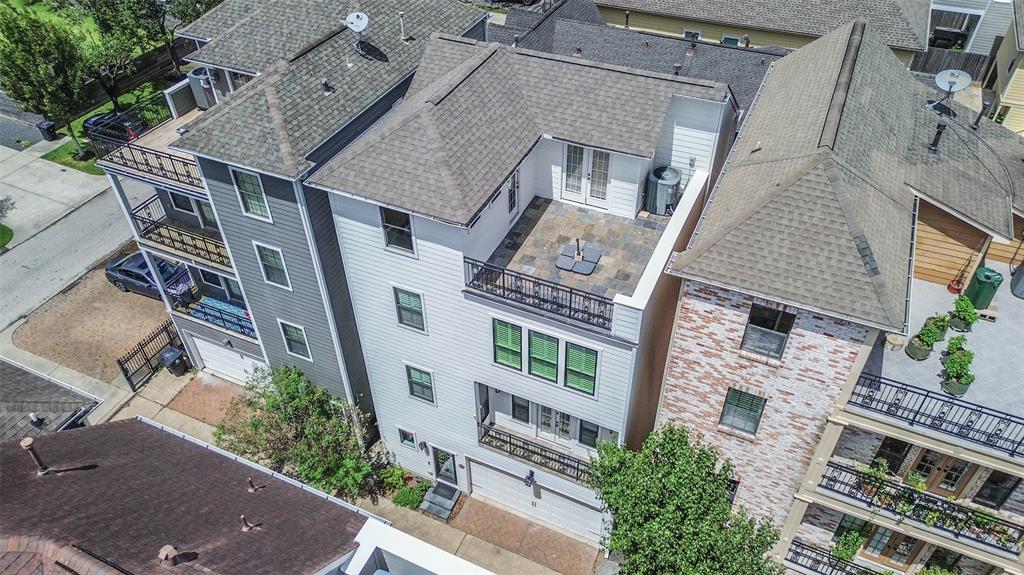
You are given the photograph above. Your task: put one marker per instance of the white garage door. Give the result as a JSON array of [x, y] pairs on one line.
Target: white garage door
[[225, 361], [551, 507]]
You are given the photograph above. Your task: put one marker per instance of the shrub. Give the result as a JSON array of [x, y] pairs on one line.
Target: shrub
[[964, 310], [916, 480], [411, 497], [875, 475], [848, 545], [928, 335], [393, 478], [936, 570]]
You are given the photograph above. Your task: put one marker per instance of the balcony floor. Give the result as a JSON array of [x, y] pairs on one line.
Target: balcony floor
[[533, 244], [998, 348], [161, 137]]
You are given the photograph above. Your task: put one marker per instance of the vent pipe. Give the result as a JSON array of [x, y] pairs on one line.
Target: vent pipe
[[627, 18], [676, 68], [515, 41], [169, 554], [934, 146], [401, 27], [746, 40], [578, 51], [37, 422], [984, 109], [27, 445]]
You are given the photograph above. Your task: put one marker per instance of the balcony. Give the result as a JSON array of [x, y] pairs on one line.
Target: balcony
[[177, 235], [821, 561], [534, 453], [938, 412], [933, 512], [195, 304], [141, 147]]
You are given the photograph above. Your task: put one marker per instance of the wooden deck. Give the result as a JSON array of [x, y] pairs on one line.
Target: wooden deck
[[161, 137]]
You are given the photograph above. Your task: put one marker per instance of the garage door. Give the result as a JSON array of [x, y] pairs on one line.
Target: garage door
[[225, 361], [550, 507]]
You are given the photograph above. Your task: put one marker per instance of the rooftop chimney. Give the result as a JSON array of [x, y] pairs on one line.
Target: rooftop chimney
[[984, 109], [41, 468], [168, 554], [676, 68], [401, 27], [627, 18], [746, 40], [934, 146]]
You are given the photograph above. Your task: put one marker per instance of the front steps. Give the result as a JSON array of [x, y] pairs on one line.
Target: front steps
[[439, 500]]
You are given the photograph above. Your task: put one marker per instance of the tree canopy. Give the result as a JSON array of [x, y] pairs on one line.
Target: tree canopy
[[671, 511], [294, 427]]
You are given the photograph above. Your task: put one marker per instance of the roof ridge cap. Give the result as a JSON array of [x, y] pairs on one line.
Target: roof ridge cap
[[834, 114], [280, 128]]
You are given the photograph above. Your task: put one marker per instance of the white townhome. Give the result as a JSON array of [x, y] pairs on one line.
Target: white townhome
[[505, 263]]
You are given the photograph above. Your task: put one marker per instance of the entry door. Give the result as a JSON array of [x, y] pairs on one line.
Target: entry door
[[890, 548], [444, 466], [586, 176], [555, 426], [944, 475]]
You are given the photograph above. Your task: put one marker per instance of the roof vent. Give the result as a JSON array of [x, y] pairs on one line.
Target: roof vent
[[746, 40], [168, 554], [984, 109], [647, 43], [247, 526], [401, 28], [676, 68], [626, 14], [27, 445], [326, 86], [941, 127], [252, 487], [515, 41], [37, 422]]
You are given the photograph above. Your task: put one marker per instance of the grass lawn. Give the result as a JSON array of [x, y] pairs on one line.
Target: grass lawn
[[65, 156], [127, 100], [6, 235], [44, 12]]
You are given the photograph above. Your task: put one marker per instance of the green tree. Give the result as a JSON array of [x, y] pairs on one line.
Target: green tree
[[160, 19], [671, 512], [292, 426], [42, 66]]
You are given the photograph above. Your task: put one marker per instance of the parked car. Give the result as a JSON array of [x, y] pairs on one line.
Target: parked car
[[120, 125], [130, 273]]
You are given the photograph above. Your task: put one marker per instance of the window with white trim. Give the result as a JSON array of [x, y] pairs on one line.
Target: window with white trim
[[407, 438], [272, 264], [397, 229], [520, 409], [508, 344], [295, 340], [730, 40], [421, 383], [544, 356], [513, 192], [409, 306], [251, 194], [580, 368], [181, 202], [692, 35]]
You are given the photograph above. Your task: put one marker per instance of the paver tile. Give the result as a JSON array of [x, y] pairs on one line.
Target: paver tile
[[206, 398]]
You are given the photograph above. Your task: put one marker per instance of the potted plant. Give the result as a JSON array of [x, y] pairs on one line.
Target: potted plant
[[941, 322], [848, 545], [873, 478], [957, 376], [954, 346], [963, 315], [920, 346]]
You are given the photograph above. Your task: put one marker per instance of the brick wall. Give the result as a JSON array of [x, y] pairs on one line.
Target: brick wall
[[705, 361], [818, 526], [856, 444]]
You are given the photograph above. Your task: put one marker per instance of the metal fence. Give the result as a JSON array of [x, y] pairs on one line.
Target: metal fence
[[153, 224], [140, 363], [823, 562], [147, 161], [135, 121], [534, 453]]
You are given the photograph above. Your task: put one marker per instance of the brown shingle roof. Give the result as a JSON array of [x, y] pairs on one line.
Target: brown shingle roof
[[123, 490]]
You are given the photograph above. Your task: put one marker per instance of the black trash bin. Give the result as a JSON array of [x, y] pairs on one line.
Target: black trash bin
[[174, 360], [49, 130]]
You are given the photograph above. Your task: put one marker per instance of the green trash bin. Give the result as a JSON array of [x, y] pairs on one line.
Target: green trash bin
[[983, 287]]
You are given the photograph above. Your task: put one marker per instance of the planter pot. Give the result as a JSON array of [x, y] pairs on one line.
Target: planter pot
[[942, 331], [916, 350], [955, 286], [958, 324], [954, 387]]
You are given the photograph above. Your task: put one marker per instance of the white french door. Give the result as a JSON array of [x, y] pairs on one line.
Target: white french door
[[555, 426], [586, 176]]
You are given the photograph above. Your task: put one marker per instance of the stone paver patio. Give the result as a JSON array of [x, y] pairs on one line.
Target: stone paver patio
[[523, 537], [206, 398]]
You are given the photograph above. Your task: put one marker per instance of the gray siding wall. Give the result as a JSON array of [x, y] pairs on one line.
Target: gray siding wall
[[479, 31], [174, 213], [303, 305], [239, 344]]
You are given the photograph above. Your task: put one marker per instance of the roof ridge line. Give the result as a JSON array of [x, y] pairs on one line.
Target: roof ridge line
[[830, 127], [280, 128], [445, 89]]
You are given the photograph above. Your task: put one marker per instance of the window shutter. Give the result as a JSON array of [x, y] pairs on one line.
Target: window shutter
[[508, 344], [544, 356], [580, 368]]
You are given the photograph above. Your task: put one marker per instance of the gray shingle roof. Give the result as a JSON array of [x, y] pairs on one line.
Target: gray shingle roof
[[815, 206], [464, 134], [743, 69], [900, 23], [541, 35], [221, 18], [23, 392], [272, 122]]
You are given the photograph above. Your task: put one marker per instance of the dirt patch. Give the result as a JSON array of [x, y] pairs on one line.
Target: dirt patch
[[206, 398], [89, 325]]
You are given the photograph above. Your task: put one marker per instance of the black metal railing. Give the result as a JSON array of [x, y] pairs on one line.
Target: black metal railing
[[135, 121], [153, 162], [140, 363], [535, 453], [823, 562], [191, 303], [153, 224], [963, 419], [538, 293], [923, 507]]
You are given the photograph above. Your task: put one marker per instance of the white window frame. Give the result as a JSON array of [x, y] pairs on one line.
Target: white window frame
[[415, 441], [512, 201], [408, 391], [259, 263], [691, 31], [238, 194], [191, 202], [739, 40], [280, 326], [384, 233], [423, 308], [203, 279]]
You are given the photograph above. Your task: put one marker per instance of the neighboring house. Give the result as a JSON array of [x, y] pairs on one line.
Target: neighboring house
[[225, 154], [902, 24], [1007, 75], [833, 226], [32, 404], [497, 361], [972, 25], [133, 496]]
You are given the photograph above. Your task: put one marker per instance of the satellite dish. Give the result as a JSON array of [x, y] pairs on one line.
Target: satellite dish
[[952, 80], [358, 21]]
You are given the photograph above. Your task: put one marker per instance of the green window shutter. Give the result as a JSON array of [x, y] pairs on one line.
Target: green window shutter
[[508, 344], [580, 368], [544, 356]]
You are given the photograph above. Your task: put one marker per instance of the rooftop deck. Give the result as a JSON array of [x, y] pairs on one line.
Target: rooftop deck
[[161, 137], [998, 348], [150, 155], [533, 245]]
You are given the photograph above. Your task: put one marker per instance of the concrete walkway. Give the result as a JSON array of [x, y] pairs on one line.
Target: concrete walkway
[[157, 401]]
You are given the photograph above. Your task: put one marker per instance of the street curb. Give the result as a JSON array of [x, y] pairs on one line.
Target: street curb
[[58, 220]]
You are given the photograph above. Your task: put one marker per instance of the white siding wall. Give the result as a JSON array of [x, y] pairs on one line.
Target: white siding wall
[[690, 131], [457, 347], [996, 21]]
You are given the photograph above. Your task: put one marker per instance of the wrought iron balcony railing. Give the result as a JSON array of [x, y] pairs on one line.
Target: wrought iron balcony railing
[[535, 453], [822, 562], [132, 123], [538, 293], [212, 310], [151, 220], [951, 416], [923, 507], [147, 161]]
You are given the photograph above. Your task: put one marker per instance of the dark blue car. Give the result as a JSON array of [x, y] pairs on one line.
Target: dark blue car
[[129, 273]]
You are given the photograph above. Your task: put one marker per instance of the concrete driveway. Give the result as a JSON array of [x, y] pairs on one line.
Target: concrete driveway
[[35, 193]]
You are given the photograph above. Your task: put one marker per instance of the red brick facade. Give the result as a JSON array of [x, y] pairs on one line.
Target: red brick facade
[[705, 361]]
